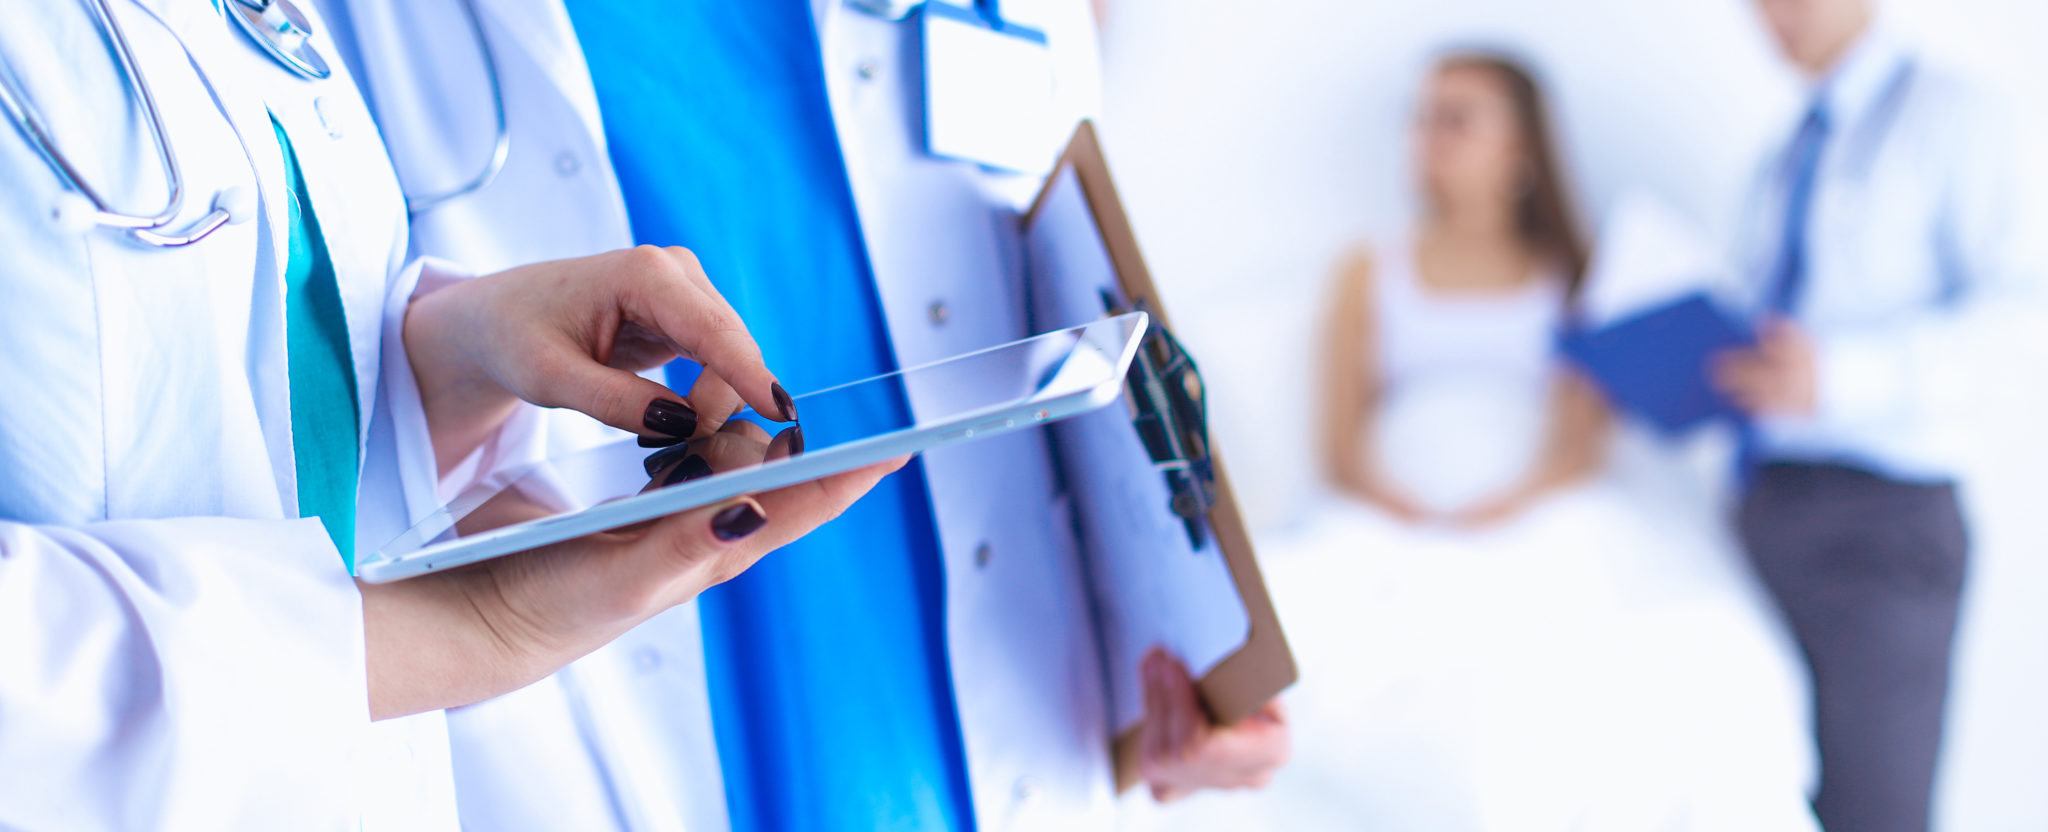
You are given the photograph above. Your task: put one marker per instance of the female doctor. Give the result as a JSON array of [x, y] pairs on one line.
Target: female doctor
[[225, 380]]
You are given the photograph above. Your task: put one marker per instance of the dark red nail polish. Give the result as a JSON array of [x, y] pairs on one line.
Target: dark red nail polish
[[693, 467], [672, 418], [737, 522], [660, 459], [783, 401], [661, 441], [796, 440]]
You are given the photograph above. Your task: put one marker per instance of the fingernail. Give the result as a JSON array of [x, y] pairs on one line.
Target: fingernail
[[796, 440], [737, 522], [693, 467], [783, 401], [660, 459], [661, 441], [672, 418]]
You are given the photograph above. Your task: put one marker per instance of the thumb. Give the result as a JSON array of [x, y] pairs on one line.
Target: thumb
[[1187, 719], [687, 552], [619, 399]]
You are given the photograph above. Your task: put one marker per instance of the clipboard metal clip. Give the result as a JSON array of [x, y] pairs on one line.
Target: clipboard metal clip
[[1170, 411]]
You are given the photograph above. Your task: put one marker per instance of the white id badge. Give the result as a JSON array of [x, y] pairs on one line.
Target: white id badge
[[988, 91]]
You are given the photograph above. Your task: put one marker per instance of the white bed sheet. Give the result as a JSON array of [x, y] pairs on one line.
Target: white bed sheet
[[1606, 663]]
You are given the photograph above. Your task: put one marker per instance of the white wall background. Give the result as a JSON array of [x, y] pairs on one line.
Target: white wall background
[[1254, 140]]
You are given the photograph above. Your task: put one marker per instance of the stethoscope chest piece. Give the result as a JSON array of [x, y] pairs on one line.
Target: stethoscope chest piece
[[283, 31]]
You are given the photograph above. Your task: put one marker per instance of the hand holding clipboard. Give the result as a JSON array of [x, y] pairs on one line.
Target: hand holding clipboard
[[1657, 364]]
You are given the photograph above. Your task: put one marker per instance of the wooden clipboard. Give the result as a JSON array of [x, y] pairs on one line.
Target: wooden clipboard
[[1244, 681]]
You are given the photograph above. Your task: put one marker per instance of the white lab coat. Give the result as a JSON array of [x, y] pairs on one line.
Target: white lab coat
[[178, 649], [585, 745], [941, 235]]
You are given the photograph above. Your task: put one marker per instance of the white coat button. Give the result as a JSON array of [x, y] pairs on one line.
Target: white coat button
[[328, 121], [982, 555], [567, 165], [939, 313], [647, 660], [867, 69], [1025, 791]]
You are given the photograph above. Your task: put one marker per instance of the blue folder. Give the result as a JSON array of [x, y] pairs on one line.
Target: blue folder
[[1654, 365]]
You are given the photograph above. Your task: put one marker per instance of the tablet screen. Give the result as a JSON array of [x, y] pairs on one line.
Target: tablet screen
[[840, 428]]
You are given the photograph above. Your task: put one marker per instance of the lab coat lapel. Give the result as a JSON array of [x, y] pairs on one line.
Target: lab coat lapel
[[823, 14], [347, 177], [230, 67], [361, 217], [356, 201], [224, 70]]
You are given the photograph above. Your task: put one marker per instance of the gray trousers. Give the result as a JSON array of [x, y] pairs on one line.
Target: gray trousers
[[1869, 573]]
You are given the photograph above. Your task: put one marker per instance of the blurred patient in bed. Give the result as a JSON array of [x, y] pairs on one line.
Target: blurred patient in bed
[[1563, 639], [1445, 402]]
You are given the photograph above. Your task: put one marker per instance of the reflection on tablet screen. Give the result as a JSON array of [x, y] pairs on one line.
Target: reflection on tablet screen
[[917, 397]]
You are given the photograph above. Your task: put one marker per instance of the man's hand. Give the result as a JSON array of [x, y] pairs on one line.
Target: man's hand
[[1181, 752], [1779, 377]]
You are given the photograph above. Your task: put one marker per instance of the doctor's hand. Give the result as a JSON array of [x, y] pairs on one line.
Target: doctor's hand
[[1182, 752], [575, 333], [459, 637], [1779, 377]]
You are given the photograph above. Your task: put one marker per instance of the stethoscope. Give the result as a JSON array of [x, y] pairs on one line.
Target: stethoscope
[[284, 34]]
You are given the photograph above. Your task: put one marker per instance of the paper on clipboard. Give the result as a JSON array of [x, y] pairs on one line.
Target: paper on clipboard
[[1158, 588], [1155, 577]]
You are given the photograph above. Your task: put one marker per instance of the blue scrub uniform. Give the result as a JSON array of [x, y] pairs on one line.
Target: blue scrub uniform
[[830, 689]]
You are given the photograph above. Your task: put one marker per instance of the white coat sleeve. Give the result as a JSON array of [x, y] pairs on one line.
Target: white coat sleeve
[[1984, 340], [198, 673], [530, 435], [523, 439], [201, 673]]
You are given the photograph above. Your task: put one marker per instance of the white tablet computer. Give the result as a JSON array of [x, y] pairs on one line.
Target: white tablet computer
[[1012, 387]]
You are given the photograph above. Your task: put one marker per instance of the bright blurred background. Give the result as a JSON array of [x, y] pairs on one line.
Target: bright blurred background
[[1254, 142]]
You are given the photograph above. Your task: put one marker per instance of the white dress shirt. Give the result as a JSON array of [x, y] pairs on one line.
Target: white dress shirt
[[1925, 267]]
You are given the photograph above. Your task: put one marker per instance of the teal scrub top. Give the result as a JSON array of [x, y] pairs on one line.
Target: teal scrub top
[[325, 424]]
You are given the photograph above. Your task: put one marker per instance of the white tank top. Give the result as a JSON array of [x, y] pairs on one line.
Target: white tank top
[[1427, 333], [1467, 381]]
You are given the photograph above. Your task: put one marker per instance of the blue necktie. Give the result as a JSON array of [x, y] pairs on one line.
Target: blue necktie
[[1788, 280], [831, 692]]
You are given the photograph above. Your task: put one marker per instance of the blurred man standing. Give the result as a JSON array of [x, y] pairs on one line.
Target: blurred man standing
[[1895, 277]]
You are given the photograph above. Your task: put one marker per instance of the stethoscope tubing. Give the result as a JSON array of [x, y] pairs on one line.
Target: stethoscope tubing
[[501, 145], [22, 111], [148, 228]]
